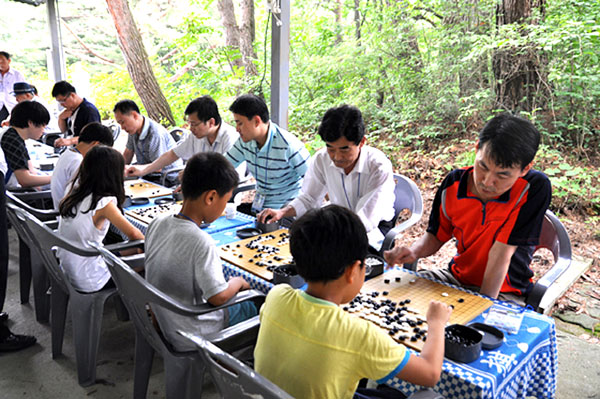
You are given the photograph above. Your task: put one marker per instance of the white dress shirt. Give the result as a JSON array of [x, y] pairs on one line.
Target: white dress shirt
[[368, 189], [7, 81]]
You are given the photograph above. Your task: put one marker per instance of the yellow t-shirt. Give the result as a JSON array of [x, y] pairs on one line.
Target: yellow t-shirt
[[313, 349]]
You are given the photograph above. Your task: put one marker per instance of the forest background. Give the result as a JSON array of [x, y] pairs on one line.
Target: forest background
[[427, 74]]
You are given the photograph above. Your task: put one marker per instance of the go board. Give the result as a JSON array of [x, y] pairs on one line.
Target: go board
[[397, 301], [148, 214], [260, 254], [141, 188]]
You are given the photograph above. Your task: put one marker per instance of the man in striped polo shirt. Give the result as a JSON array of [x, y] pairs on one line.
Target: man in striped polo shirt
[[275, 157], [494, 209]]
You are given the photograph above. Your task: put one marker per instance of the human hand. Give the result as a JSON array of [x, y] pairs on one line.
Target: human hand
[[132, 170], [61, 142], [438, 313], [5, 122], [269, 215], [66, 113], [399, 256]]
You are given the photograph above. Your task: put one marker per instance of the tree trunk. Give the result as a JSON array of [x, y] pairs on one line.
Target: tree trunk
[[138, 65], [232, 33], [518, 71], [247, 37], [337, 10], [240, 38], [357, 21]]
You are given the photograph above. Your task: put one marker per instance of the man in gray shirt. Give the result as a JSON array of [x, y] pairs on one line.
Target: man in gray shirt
[[147, 139]]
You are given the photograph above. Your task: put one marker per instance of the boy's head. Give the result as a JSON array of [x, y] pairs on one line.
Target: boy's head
[[202, 115], [32, 116], [127, 115], [325, 241], [343, 131], [66, 95], [504, 152], [209, 172], [96, 132]]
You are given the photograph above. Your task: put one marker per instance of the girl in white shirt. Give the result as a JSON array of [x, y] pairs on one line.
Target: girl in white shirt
[[86, 213]]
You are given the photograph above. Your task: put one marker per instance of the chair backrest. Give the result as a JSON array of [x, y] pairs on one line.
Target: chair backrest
[[178, 134], [41, 214], [233, 378], [555, 238], [137, 294], [43, 240], [408, 196]]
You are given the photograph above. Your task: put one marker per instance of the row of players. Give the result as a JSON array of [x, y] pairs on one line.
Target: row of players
[[494, 209]]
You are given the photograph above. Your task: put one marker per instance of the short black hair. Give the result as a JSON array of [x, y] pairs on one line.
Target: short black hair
[[325, 241], [62, 88], [250, 105], [5, 54], [126, 106], [512, 141], [205, 108], [207, 171], [96, 131], [29, 111], [343, 121]]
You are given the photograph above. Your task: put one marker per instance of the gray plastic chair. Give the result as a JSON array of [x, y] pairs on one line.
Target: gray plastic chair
[[86, 308], [408, 196], [233, 378], [184, 371], [554, 237], [30, 265]]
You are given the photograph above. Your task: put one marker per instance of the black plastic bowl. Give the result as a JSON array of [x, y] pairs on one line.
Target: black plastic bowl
[[287, 274], [266, 227], [463, 344]]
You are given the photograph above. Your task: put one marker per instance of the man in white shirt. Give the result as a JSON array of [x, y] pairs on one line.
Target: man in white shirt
[[209, 133], [8, 77], [356, 176]]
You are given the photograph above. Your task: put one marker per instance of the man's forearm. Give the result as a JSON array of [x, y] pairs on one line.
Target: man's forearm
[[496, 268], [427, 245], [62, 125]]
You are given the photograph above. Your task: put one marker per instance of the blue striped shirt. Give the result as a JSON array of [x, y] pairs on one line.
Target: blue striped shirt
[[278, 167]]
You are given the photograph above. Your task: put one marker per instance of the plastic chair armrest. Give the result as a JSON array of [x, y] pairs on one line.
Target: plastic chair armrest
[[237, 336], [114, 248], [388, 241]]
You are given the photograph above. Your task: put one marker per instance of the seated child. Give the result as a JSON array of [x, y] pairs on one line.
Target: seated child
[[308, 345], [182, 259], [27, 121], [86, 212], [66, 167]]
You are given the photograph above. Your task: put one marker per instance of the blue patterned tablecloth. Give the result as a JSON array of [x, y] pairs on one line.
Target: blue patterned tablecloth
[[221, 224]]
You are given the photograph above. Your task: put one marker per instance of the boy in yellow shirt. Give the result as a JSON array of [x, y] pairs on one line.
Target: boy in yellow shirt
[[308, 345]]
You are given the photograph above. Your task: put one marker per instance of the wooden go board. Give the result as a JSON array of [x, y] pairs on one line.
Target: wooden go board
[[148, 214], [397, 301], [140, 188], [259, 254]]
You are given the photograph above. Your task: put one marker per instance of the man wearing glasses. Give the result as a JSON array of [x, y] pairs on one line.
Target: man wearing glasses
[[209, 133], [78, 112]]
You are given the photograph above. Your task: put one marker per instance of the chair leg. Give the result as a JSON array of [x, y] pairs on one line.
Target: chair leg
[[86, 316], [40, 289], [60, 301], [24, 270], [120, 309], [184, 377], [144, 356]]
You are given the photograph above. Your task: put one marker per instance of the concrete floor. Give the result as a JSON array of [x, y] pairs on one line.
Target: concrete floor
[[32, 373]]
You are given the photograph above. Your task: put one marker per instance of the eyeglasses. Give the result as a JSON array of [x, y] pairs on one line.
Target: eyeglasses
[[64, 100], [194, 123]]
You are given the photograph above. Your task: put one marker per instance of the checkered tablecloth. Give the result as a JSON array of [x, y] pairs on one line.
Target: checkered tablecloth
[[221, 224]]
